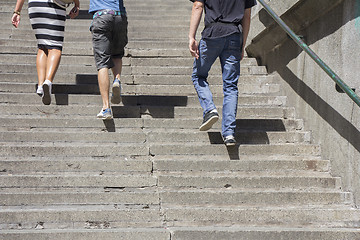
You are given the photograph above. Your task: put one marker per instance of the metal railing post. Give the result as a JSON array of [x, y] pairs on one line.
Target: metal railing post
[[312, 54]]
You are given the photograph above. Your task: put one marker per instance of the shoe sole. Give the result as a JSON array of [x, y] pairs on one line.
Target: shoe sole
[[109, 117], [209, 123], [105, 118], [116, 94], [46, 98], [230, 144]]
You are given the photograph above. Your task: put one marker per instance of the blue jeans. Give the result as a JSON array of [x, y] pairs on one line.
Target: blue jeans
[[228, 49]]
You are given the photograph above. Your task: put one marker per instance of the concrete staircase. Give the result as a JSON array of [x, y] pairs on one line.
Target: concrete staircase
[[149, 173]]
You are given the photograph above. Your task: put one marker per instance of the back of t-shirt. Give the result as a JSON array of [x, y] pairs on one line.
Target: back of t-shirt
[[96, 5]]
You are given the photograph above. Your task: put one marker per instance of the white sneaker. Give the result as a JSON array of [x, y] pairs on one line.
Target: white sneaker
[[40, 91], [105, 114], [46, 97]]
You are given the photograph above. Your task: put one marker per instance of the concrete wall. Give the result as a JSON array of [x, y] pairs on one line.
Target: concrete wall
[[334, 34]]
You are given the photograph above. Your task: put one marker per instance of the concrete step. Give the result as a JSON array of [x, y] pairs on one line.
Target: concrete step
[[168, 70], [127, 61], [93, 232], [65, 59], [235, 152], [241, 137], [86, 196], [182, 164], [186, 233], [126, 149], [91, 124], [166, 164], [186, 61], [61, 77], [135, 44], [72, 149], [181, 90], [165, 90], [172, 198], [78, 180], [292, 217], [131, 135], [245, 112], [135, 23], [88, 51], [126, 70], [133, 27], [90, 100], [62, 164], [136, 136], [106, 217], [91, 78], [214, 79], [133, 20], [81, 217], [85, 35], [270, 232], [133, 15], [238, 181], [251, 198]]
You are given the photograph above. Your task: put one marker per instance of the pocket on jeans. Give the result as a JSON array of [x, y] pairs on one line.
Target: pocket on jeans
[[234, 44]]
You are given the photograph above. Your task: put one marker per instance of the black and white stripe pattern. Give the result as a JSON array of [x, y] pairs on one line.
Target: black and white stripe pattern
[[48, 21]]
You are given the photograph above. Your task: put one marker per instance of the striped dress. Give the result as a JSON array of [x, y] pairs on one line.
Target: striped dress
[[48, 21]]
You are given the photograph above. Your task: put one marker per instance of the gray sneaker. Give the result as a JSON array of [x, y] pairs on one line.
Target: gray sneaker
[[229, 141], [116, 92], [209, 119], [105, 114]]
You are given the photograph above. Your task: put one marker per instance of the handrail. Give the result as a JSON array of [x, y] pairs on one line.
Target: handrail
[[312, 54]]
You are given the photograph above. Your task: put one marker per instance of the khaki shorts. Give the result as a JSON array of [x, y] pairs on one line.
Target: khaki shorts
[[109, 37]]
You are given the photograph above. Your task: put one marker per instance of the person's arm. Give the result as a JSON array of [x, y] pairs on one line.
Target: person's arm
[[15, 20], [75, 10], [245, 23], [196, 14]]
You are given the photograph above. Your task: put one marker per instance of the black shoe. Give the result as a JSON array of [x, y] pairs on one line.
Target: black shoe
[[209, 119], [229, 141]]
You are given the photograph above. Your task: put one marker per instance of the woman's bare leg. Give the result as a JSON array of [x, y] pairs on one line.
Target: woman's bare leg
[[41, 61], [52, 65]]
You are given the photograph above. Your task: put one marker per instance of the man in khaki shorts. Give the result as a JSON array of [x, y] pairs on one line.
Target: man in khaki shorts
[[109, 36]]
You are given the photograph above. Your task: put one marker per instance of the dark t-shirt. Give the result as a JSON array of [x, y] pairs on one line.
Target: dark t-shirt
[[222, 17]]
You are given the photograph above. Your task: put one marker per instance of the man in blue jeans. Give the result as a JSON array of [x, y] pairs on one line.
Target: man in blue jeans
[[109, 35], [226, 29]]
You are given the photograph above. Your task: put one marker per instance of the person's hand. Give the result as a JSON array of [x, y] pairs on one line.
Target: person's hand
[[15, 20], [194, 48], [74, 12]]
